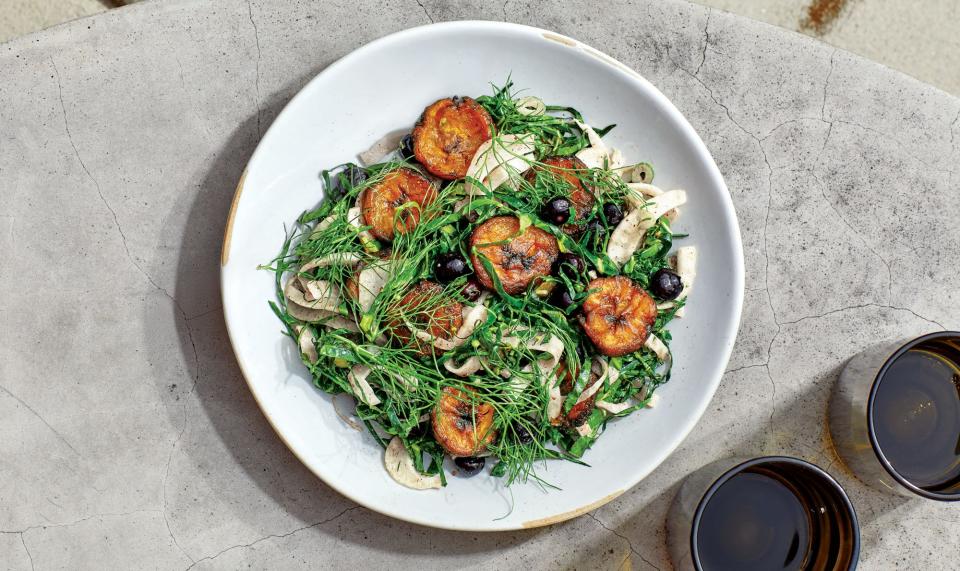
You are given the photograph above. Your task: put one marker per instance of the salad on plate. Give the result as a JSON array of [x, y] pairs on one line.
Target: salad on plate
[[492, 288]]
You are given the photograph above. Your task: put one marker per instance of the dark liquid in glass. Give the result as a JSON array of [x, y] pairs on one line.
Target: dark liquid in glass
[[775, 516], [916, 415]]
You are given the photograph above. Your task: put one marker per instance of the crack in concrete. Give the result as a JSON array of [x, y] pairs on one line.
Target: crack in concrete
[[773, 396], [256, 37], [766, 221], [865, 306], [826, 85], [504, 10], [75, 522], [76, 152], [887, 136], [205, 313], [766, 233], [623, 537], [116, 219], [863, 239], [744, 368], [272, 536], [180, 310], [183, 84], [825, 140], [59, 436], [27, 551], [163, 484], [779, 126], [706, 42], [953, 145], [953, 127], [427, 14]]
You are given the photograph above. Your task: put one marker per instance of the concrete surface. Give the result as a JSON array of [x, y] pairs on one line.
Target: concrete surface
[[921, 39], [20, 17], [128, 438]]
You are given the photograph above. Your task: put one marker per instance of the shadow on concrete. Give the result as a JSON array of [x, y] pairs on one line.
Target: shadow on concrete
[[225, 399]]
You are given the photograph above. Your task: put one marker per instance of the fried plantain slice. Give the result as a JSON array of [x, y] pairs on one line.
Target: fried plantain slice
[[567, 378], [567, 170], [580, 412], [517, 260], [424, 309], [352, 285], [461, 424], [448, 134], [618, 315], [379, 203]]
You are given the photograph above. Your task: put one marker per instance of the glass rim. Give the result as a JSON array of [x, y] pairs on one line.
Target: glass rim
[[871, 431], [822, 474]]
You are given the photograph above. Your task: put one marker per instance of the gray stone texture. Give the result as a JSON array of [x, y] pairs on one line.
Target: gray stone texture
[[128, 438]]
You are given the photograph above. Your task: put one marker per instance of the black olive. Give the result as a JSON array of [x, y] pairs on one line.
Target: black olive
[[419, 430], [596, 227], [449, 267], [523, 435], [471, 291], [666, 284], [560, 297], [556, 210], [406, 147], [612, 213], [355, 175], [572, 263], [469, 465]]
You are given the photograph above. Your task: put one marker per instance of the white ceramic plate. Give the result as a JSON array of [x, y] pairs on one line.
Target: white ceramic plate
[[384, 86]]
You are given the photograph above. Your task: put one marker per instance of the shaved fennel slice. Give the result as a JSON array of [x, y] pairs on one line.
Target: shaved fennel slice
[[614, 159], [613, 407], [335, 259], [306, 314], [321, 292], [465, 369], [657, 346], [605, 374], [309, 310], [497, 160], [643, 189], [305, 340], [400, 466], [372, 280], [321, 226], [531, 106], [355, 218], [687, 269], [598, 154], [626, 237], [382, 147], [340, 322], [595, 140], [555, 404], [584, 429], [357, 377], [474, 315], [553, 347]]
